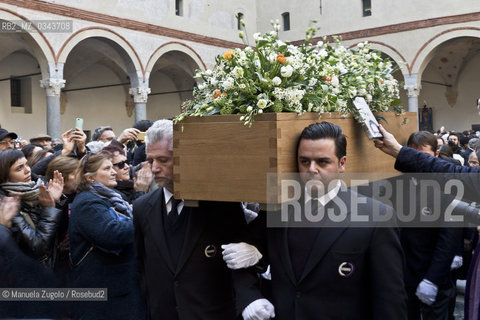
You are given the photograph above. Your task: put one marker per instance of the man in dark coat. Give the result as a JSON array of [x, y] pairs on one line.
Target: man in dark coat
[[411, 160], [429, 250], [178, 247], [338, 271]]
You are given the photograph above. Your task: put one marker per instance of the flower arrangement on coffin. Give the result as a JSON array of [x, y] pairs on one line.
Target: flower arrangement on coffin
[[281, 77]]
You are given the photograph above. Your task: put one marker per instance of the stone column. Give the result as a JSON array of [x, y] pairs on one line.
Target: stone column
[[53, 88], [140, 97], [413, 90]]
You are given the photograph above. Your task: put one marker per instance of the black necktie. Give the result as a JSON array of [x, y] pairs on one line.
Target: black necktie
[[301, 239], [173, 215]]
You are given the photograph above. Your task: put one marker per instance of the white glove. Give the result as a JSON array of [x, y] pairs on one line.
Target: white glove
[[260, 309], [427, 292], [240, 255], [456, 263]]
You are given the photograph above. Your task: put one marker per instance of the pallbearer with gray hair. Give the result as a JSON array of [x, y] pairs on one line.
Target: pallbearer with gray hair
[[178, 247]]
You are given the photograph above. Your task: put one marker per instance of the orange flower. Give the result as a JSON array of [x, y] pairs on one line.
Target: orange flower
[[327, 79], [224, 94], [216, 93], [228, 55], [281, 58], [381, 81]]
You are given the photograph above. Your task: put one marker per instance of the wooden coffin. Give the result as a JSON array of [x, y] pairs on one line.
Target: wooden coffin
[[218, 158]]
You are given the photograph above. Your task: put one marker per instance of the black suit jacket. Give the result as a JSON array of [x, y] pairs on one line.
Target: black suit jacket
[[428, 241], [200, 287], [373, 290]]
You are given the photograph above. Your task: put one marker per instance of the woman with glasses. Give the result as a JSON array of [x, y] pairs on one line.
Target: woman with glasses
[[130, 189], [101, 243], [473, 160], [34, 227]]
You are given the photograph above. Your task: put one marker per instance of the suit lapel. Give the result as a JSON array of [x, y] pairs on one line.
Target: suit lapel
[[155, 221], [195, 226], [282, 247], [327, 236]]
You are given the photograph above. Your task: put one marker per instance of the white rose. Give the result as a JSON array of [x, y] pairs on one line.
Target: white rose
[[335, 81], [228, 83], [249, 108], [237, 72], [323, 53], [368, 97], [341, 68], [286, 71], [262, 103], [256, 36], [260, 111], [276, 81]]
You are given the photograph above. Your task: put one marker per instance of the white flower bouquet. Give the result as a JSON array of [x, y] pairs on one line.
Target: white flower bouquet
[[281, 77]]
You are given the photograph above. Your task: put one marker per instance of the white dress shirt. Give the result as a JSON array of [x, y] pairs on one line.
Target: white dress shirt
[[168, 200]]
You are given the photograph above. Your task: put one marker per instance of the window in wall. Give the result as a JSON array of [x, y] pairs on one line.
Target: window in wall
[[239, 21], [179, 7], [15, 92], [367, 8], [286, 21]]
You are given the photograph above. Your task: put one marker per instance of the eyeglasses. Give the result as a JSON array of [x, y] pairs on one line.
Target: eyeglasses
[[474, 163], [121, 164]]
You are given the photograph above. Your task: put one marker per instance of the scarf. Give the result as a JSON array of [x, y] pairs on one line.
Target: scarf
[[125, 186], [113, 197], [28, 191]]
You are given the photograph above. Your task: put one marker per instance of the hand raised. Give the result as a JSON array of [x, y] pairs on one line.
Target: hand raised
[[55, 185], [144, 178], [45, 198], [129, 134], [388, 143], [8, 209], [68, 142]]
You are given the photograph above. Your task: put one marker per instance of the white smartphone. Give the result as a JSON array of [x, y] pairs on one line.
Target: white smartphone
[[79, 123]]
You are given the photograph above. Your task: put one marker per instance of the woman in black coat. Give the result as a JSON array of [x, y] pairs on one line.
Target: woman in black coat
[[35, 226], [101, 243]]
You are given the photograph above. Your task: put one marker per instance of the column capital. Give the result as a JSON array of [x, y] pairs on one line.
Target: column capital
[[412, 85], [140, 94], [52, 86], [412, 91]]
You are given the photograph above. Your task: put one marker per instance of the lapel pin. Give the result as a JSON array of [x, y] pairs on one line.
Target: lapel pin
[[426, 211], [346, 269], [210, 251]]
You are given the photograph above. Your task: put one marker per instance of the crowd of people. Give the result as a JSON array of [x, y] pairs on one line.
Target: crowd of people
[[103, 214]]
